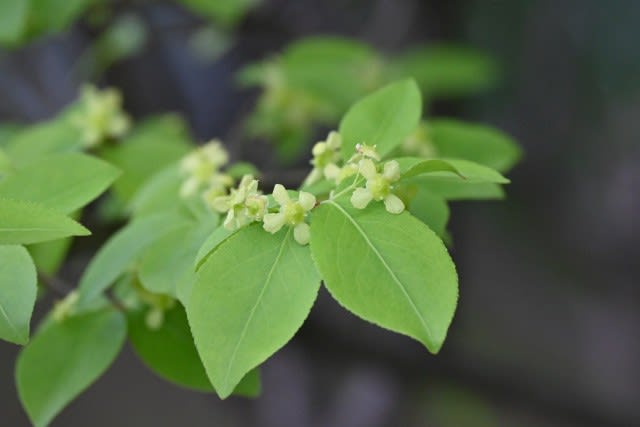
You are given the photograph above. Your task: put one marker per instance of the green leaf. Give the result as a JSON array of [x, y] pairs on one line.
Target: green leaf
[[225, 12], [413, 166], [64, 358], [250, 297], [478, 143], [6, 168], [154, 145], [384, 118], [169, 351], [159, 193], [49, 16], [391, 270], [447, 70], [64, 182], [456, 170], [218, 236], [18, 289], [240, 169], [125, 36], [461, 190], [121, 250], [49, 256], [430, 209], [169, 262], [25, 222], [13, 17], [250, 385], [334, 69], [57, 135]]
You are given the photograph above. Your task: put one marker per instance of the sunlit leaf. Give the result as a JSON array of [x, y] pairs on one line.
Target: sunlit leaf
[[391, 270], [26, 222], [64, 182], [249, 299], [384, 118]]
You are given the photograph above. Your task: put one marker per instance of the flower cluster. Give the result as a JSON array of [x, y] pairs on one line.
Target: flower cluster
[[101, 116], [246, 204], [326, 155], [201, 170], [419, 143], [243, 205], [364, 163]]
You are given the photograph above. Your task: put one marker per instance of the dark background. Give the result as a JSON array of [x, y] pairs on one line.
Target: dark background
[[547, 330]]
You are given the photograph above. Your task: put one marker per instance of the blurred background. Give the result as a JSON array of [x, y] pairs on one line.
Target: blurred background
[[548, 325]]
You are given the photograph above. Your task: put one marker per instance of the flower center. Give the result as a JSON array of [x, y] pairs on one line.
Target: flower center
[[379, 187], [293, 213]]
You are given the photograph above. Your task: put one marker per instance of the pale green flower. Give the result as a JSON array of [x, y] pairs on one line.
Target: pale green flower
[[101, 116], [364, 151], [291, 213], [243, 205], [378, 186], [325, 156], [419, 143], [202, 170]]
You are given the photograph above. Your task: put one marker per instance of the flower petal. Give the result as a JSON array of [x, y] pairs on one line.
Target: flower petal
[[301, 233], [334, 140], [313, 177], [367, 168], [319, 149], [229, 222], [391, 170], [189, 187], [273, 222], [393, 204], [306, 200], [332, 171], [280, 195], [361, 198]]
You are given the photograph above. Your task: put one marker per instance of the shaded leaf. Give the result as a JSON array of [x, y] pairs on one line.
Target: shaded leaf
[[13, 17], [159, 193], [18, 289], [121, 250], [169, 351], [447, 70], [64, 358], [170, 262], [478, 143], [430, 209], [151, 147], [32, 143]]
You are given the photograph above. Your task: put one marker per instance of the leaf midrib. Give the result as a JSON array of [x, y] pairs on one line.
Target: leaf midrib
[[385, 265], [384, 124], [255, 307]]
